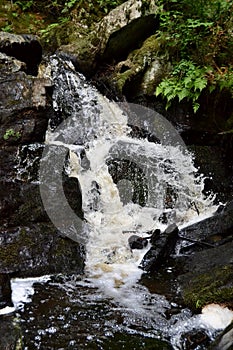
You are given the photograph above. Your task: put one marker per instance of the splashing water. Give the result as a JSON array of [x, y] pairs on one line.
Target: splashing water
[[113, 168]]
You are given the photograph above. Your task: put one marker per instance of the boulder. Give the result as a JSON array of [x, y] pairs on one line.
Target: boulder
[[206, 276], [219, 224], [38, 249], [119, 32]]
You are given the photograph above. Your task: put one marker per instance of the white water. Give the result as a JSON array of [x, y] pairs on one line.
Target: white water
[[101, 130]]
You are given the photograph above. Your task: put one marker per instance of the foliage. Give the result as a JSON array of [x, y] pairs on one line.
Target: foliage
[[35, 15], [197, 38], [11, 134], [187, 81]]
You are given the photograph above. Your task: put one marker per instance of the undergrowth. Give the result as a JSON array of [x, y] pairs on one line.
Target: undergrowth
[[197, 39]]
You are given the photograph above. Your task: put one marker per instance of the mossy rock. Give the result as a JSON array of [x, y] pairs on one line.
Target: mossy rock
[[143, 66], [215, 286], [37, 250]]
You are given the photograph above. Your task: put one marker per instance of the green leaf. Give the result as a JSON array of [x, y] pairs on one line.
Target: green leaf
[[200, 84], [158, 90], [182, 94], [195, 106]]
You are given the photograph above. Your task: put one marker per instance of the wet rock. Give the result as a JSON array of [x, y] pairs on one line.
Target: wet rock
[[217, 170], [10, 64], [136, 242], [29, 243], [221, 223], [37, 250], [10, 333], [25, 48], [163, 246], [224, 341], [195, 340], [5, 290], [23, 94], [207, 277]]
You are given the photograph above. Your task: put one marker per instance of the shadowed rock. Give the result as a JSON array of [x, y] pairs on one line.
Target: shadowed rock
[[162, 247]]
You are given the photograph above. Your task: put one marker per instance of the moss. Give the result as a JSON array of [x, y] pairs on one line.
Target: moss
[[137, 63], [9, 254], [214, 287]]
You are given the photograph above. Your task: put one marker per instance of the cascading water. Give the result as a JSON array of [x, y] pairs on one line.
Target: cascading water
[[97, 139], [128, 184]]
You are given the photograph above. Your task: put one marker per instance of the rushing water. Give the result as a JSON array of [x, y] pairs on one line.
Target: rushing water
[[128, 184]]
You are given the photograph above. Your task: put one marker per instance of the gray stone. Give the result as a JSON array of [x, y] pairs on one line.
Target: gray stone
[[111, 40]]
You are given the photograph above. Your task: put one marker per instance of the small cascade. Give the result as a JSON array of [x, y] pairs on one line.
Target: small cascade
[[128, 184]]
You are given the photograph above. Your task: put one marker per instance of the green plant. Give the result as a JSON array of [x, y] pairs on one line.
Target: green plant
[[11, 134], [24, 5], [197, 39], [186, 81]]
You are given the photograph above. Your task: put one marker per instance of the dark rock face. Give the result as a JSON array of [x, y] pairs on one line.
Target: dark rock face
[[5, 290], [162, 247], [10, 333], [25, 48], [29, 243], [224, 341], [136, 242], [207, 272], [219, 224], [37, 250]]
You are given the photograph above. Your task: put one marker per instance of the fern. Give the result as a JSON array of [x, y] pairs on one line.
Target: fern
[[186, 81]]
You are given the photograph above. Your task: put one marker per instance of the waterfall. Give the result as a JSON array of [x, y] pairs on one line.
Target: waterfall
[[128, 183]]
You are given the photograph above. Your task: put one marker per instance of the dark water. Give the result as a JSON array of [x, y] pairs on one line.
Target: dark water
[[68, 312]]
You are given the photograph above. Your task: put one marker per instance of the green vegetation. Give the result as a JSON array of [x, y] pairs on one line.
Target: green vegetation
[[11, 134], [40, 16], [197, 39], [214, 287]]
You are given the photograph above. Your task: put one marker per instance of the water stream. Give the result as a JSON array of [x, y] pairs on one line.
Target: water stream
[[128, 184]]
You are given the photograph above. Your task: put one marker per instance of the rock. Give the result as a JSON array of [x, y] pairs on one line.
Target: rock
[[22, 93], [207, 277], [136, 242], [29, 243], [211, 161], [10, 64], [119, 32], [224, 341], [5, 290], [37, 249], [195, 340], [163, 246], [25, 48], [219, 224], [140, 72], [134, 20], [10, 333]]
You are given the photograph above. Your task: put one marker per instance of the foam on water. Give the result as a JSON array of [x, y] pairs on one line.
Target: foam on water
[[99, 128]]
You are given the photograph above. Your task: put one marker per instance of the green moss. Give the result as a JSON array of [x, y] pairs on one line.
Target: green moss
[[137, 62], [214, 287]]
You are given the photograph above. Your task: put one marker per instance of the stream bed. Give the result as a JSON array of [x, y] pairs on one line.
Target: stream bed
[[128, 184]]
